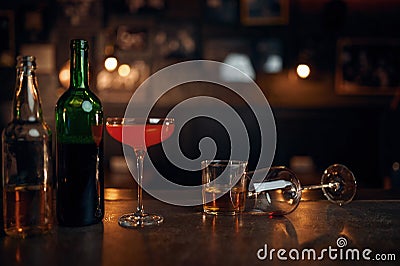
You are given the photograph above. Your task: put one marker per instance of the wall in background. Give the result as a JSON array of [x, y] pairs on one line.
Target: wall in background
[[307, 111]]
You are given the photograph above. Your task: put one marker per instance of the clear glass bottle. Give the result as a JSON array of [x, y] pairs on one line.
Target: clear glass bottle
[[79, 145], [27, 159]]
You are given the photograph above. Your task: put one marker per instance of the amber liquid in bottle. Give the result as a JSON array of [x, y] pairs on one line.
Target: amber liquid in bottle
[[27, 160]]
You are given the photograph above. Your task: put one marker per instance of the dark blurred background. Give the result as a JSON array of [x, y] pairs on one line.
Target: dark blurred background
[[344, 111]]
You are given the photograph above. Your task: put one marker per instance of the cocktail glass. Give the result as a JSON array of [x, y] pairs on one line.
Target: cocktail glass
[[140, 133]]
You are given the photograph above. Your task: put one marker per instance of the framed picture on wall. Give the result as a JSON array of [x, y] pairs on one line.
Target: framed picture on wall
[[264, 12], [367, 66]]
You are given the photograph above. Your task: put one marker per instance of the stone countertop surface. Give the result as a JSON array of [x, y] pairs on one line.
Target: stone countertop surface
[[189, 237]]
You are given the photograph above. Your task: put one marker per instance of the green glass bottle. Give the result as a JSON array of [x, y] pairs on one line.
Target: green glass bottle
[[27, 159], [79, 146]]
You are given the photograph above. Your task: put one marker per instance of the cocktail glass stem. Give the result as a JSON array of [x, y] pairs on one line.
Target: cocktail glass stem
[[140, 154]]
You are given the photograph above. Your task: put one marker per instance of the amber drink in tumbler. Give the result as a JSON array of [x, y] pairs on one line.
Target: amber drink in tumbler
[[224, 187]]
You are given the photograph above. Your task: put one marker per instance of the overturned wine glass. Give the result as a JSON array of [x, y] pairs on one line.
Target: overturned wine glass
[[279, 192]]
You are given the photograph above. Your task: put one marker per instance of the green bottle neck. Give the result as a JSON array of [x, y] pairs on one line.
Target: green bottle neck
[[27, 105], [79, 65]]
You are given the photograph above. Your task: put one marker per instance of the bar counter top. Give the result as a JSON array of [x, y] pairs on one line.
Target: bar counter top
[[364, 229]]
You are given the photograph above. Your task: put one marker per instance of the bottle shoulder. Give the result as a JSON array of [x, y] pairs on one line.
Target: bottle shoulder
[[79, 117], [79, 98]]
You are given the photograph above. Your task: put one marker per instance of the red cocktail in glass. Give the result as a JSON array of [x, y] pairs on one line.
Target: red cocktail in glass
[[140, 133]]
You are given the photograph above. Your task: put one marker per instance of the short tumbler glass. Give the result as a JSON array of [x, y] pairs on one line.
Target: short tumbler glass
[[224, 186]]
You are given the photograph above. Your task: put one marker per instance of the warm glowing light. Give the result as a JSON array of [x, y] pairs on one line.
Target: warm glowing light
[[124, 70], [303, 71], [64, 75], [111, 63], [109, 49], [396, 166]]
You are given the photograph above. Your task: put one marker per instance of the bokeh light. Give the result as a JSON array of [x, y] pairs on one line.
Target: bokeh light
[[303, 71], [124, 70], [111, 63]]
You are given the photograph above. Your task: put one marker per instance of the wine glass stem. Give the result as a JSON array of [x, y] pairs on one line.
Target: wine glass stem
[[329, 185], [139, 166]]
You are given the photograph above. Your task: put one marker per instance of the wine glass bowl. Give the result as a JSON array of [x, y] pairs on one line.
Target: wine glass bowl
[[279, 193], [139, 134]]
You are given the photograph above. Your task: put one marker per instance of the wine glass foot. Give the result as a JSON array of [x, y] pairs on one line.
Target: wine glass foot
[[134, 220]]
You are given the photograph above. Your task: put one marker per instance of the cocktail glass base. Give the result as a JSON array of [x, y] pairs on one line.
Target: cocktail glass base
[[134, 220]]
